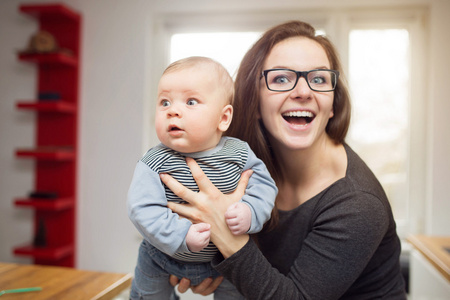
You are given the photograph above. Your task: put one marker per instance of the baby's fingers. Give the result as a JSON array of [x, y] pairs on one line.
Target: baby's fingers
[[231, 221], [237, 230], [232, 211], [201, 227]]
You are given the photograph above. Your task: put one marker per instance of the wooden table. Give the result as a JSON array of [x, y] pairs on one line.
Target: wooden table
[[434, 249], [60, 283]]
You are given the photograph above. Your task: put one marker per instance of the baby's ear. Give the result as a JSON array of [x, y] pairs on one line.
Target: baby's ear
[[225, 118]]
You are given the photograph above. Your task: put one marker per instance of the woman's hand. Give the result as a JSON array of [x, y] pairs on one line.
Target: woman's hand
[[206, 287], [209, 206], [208, 200]]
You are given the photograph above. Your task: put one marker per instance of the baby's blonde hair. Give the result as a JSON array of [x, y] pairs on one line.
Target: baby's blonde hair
[[224, 78]]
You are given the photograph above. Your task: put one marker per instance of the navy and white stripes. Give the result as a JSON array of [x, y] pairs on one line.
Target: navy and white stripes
[[223, 167]]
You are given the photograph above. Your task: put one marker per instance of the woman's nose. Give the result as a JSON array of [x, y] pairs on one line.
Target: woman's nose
[[301, 90]]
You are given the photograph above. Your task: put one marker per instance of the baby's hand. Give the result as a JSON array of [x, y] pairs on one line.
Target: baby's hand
[[197, 237], [238, 217]]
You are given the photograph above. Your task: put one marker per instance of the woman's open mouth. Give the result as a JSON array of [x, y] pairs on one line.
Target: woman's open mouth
[[299, 117]]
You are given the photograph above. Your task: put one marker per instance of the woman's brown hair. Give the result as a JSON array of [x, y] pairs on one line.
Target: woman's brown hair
[[246, 124]]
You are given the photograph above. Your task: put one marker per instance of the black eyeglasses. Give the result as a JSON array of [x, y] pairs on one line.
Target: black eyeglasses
[[283, 80]]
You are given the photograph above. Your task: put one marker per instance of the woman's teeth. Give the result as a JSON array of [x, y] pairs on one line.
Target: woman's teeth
[[299, 114], [299, 117]]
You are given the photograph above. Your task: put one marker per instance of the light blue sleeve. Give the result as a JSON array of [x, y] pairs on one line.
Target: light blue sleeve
[[147, 209], [260, 193]]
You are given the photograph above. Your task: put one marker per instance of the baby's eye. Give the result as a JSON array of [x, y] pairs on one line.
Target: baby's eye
[[165, 103], [192, 102]]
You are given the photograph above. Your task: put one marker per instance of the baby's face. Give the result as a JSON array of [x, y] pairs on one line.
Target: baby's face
[[189, 110]]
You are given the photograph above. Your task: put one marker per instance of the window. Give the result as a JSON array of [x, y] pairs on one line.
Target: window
[[228, 48], [379, 81]]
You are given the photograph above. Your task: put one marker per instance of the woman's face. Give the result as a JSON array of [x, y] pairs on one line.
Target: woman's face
[[296, 119]]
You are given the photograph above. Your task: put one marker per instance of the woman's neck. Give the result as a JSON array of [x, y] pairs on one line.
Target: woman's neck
[[307, 172]]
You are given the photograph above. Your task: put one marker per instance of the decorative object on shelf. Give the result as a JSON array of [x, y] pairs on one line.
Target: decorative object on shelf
[[44, 195], [40, 239], [44, 42], [49, 96]]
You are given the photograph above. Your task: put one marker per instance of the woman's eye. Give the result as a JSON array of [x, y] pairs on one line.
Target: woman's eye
[[318, 80], [192, 102], [165, 103], [281, 79]]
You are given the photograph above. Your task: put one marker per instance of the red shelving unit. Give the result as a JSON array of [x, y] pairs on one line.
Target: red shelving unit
[[55, 151], [50, 154], [46, 204], [59, 106], [47, 254], [51, 59]]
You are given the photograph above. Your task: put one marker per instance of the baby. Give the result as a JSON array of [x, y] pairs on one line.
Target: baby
[[193, 110]]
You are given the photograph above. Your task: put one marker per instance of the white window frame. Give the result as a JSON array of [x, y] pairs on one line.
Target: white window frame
[[337, 24]]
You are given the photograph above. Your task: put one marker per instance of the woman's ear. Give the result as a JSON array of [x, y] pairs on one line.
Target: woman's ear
[[225, 118]]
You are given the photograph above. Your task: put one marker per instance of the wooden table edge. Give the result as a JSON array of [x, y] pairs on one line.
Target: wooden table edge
[[422, 243], [115, 289]]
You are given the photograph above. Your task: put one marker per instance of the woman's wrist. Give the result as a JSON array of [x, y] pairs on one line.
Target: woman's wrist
[[237, 244], [226, 242]]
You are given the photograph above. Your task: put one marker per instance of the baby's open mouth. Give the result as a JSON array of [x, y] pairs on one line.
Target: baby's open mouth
[[299, 117], [173, 128]]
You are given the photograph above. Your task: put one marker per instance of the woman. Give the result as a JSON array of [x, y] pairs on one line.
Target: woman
[[332, 235]]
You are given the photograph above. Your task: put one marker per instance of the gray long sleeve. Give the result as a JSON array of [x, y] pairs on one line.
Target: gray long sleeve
[[147, 196], [341, 244]]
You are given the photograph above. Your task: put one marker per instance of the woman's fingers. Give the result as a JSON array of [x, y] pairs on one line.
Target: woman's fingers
[[209, 204], [207, 286], [173, 280], [177, 188], [184, 210], [203, 182], [243, 182], [184, 285]]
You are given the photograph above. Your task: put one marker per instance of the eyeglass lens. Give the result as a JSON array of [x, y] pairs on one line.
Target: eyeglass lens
[[284, 80]]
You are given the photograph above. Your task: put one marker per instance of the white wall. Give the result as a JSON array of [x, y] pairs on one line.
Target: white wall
[[16, 82], [115, 39], [115, 94], [113, 85], [438, 221]]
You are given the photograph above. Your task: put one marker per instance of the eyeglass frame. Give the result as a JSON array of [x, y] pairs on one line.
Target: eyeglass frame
[[299, 74]]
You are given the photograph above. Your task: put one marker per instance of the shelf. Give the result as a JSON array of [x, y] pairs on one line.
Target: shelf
[[50, 59], [47, 153], [56, 106], [52, 11], [48, 106], [50, 253], [46, 204]]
